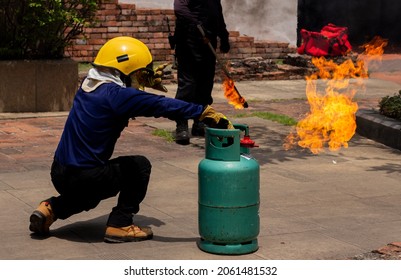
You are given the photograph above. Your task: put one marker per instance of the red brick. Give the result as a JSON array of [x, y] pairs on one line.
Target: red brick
[[112, 35], [96, 41], [142, 36], [143, 29], [110, 6], [100, 20], [150, 26], [398, 244], [126, 12], [169, 12], [138, 23], [100, 13], [159, 35], [84, 47], [158, 40], [112, 29], [112, 12], [109, 1], [127, 6], [112, 20], [245, 39], [123, 18], [127, 29], [242, 45], [159, 46], [96, 35]]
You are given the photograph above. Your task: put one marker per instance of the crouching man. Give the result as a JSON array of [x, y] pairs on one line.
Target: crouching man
[[83, 172]]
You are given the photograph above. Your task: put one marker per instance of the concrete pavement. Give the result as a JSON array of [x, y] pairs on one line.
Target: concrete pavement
[[334, 205]]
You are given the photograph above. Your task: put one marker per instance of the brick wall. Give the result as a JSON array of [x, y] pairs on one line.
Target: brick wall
[[150, 26]]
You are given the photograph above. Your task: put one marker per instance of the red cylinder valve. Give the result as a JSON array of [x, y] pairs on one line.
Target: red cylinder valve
[[248, 142]]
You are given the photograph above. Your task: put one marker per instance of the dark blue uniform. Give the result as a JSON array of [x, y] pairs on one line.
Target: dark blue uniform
[[97, 119], [196, 62], [82, 171]]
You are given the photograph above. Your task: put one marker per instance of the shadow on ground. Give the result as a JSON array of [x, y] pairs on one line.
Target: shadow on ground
[[92, 231]]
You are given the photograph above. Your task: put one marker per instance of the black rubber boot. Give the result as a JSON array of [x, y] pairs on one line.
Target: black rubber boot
[[198, 129], [181, 133]]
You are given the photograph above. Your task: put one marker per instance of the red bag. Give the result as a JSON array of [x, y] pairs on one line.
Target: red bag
[[332, 40]]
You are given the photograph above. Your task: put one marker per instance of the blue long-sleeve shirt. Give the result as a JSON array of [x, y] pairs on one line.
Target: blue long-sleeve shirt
[[97, 119]]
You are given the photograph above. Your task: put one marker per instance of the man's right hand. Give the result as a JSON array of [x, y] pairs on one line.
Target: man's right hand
[[215, 119]]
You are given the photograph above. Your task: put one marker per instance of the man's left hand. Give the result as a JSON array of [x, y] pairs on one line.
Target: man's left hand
[[152, 80], [224, 45]]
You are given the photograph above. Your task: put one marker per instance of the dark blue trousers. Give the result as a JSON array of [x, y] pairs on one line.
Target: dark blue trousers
[[82, 189]]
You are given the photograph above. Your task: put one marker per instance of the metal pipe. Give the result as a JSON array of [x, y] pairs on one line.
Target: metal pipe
[[207, 41]]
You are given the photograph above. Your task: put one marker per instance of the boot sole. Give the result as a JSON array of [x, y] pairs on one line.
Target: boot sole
[[37, 223], [118, 239], [182, 142]]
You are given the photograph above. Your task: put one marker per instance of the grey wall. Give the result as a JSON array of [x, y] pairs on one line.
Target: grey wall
[[274, 20]]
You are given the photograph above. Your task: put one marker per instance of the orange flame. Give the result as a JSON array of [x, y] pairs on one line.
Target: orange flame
[[375, 47], [373, 52], [232, 95], [331, 119]]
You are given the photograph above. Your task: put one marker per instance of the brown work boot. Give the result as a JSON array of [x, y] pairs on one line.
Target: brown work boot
[[127, 234], [42, 218]]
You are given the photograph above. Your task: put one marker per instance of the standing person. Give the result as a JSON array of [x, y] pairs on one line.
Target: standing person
[[196, 62], [82, 171]]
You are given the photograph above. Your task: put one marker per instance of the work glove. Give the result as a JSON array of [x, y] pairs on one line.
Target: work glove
[[215, 119], [145, 78], [224, 45]]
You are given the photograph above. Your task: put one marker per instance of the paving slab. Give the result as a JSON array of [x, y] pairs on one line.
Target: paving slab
[[330, 206]]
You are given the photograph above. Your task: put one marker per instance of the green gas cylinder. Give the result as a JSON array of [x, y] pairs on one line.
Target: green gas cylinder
[[228, 191]]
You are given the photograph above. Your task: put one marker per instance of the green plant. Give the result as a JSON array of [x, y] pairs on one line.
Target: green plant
[[390, 106], [282, 119], [167, 135], [41, 29], [84, 66]]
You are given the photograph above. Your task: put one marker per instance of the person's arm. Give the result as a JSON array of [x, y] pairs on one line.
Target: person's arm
[[222, 32], [136, 103], [182, 11]]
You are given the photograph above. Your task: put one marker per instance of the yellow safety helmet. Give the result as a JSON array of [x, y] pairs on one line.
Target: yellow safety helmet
[[125, 54]]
